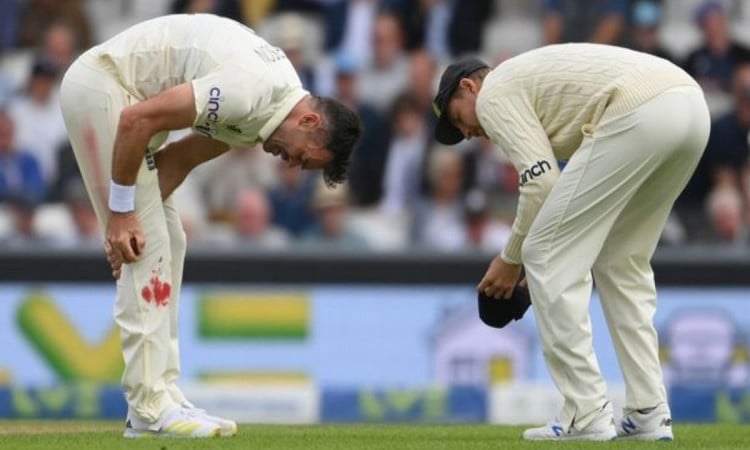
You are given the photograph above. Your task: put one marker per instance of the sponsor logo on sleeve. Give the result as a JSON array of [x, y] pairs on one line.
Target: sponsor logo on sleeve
[[208, 127], [533, 171]]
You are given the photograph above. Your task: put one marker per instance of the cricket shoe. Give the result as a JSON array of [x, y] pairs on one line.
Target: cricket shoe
[[602, 428], [227, 427], [653, 424], [178, 423]]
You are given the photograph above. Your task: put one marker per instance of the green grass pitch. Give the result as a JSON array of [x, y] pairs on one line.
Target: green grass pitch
[[81, 435]]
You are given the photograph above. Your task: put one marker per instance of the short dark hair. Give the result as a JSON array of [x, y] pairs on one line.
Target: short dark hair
[[480, 74], [342, 131]]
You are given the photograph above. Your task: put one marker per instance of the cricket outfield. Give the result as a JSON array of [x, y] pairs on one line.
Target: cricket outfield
[[80, 435]]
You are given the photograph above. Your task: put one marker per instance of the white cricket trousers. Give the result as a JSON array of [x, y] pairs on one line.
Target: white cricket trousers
[[604, 216], [148, 290]]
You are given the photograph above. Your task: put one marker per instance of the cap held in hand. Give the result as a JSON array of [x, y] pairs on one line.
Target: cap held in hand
[[498, 313]]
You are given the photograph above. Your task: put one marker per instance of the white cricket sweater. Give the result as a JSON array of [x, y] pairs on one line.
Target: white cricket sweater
[[243, 86], [537, 106]]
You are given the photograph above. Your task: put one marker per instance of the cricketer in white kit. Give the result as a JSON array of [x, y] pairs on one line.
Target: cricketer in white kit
[[632, 128], [119, 101]]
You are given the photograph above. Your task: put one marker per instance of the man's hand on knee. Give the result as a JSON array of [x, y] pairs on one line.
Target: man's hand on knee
[[114, 259], [125, 236]]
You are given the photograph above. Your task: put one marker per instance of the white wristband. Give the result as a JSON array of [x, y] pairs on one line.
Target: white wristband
[[121, 198]]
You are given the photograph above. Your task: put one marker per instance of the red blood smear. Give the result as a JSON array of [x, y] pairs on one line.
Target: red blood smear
[[161, 291], [158, 291], [146, 294]]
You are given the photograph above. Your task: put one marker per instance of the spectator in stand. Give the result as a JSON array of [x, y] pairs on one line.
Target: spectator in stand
[[713, 62], [725, 209], [483, 232], [598, 21], [290, 32], [252, 222], [39, 123], [368, 160], [645, 21], [408, 145], [38, 15], [290, 200], [439, 220], [219, 181], [388, 73], [724, 164], [20, 174], [333, 232], [60, 46], [727, 158], [21, 185]]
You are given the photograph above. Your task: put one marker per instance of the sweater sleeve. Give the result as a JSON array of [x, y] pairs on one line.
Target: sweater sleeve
[[509, 120]]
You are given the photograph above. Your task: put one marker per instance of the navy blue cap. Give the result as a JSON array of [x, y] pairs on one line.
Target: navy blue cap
[[445, 132], [499, 313]]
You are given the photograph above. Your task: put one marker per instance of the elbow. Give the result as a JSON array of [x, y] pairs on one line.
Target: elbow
[[128, 120], [133, 123]]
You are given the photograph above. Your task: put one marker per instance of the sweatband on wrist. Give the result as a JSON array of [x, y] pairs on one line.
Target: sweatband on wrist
[[121, 198]]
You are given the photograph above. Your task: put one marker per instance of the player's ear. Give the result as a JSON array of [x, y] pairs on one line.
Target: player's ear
[[310, 120], [468, 84]]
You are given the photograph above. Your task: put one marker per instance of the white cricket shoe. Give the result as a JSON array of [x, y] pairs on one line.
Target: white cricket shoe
[[654, 425], [602, 428], [227, 427], [178, 423]]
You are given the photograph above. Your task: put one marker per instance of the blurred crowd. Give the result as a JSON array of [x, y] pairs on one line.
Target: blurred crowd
[[382, 57]]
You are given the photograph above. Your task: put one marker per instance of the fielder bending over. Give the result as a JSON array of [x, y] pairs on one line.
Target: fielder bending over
[[632, 128]]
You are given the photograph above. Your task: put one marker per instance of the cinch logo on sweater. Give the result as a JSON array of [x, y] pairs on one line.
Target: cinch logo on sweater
[[534, 171], [208, 127]]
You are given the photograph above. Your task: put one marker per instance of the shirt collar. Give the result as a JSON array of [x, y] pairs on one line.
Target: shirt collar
[[285, 107]]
